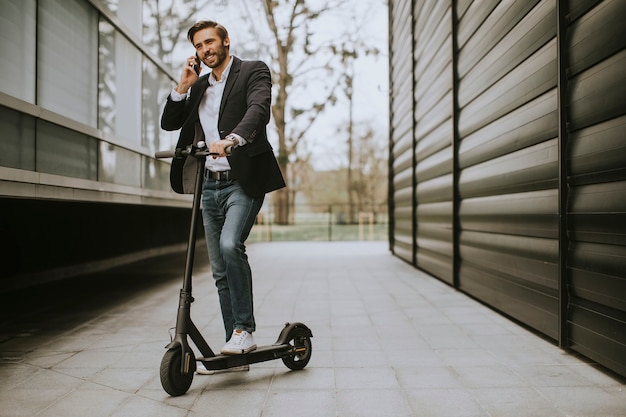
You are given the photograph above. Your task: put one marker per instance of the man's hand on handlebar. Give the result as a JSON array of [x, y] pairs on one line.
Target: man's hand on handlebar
[[216, 149], [221, 147]]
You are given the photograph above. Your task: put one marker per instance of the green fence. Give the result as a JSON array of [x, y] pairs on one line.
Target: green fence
[[322, 223]]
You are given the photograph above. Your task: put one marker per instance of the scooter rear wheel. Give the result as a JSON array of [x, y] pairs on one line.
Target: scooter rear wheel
[[302, 347], [174, 381]]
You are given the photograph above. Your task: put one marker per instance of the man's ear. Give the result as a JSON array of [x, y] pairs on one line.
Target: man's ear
[[226, 41]]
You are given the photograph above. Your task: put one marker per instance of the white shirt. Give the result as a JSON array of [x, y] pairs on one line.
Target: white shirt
[[209, 111]]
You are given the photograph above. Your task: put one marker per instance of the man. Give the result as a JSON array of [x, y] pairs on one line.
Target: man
[[227, 108]]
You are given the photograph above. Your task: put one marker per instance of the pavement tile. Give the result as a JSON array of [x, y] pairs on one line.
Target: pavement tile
[[366, 377], [372, 403], [233, 402], [432, 377], [587, 401], [309, 403], [444, 402], [92, 401], [467, 357], [138, 406], [489, 376], [517, 402], [414, 358], [26, 402]]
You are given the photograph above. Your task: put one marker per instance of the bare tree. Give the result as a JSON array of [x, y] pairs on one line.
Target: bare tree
[[297, 57], [370, 166], [349, 51], [324, 188]]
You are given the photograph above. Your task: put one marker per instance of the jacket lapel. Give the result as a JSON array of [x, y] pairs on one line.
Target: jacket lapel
[[230, 82], [197, 92]]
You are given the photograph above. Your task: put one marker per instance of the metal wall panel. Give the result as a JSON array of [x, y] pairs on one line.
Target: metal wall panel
[[508, 159], [434, 138], [596, 210], [401, 164]]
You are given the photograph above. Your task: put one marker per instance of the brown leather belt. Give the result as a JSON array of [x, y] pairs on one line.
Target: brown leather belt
[[219, 175]]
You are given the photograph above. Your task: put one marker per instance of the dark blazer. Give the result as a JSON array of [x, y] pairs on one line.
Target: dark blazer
[[245, 110]]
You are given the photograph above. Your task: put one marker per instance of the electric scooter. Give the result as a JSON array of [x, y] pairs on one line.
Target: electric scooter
[[178, 365]]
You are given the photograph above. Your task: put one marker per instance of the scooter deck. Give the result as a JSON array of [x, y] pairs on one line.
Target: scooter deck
[[260, 354]]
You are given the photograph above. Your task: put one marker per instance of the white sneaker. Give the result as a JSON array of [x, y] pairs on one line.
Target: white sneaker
[[240, 342], [201, 369]]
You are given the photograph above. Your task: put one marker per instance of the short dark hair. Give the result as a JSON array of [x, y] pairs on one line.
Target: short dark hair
[[203, 24]]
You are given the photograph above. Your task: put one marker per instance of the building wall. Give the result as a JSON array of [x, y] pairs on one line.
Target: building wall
[[80, 103], [508, 159]]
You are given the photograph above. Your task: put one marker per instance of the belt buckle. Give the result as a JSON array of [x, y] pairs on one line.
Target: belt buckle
[[219, 175]]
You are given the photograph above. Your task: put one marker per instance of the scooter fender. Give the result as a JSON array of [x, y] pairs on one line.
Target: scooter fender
[[287, 332], [179, 342], [173, 344]]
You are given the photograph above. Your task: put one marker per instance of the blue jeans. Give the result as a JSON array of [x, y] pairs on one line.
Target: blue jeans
[[228, 215]]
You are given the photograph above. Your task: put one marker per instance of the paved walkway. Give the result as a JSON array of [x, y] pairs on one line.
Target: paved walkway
[[388, 341]]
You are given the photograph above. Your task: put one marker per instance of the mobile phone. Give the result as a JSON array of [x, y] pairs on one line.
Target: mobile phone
[[196, 66]]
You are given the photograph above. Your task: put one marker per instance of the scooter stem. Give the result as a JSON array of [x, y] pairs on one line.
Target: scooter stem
[[183, 317], [193, 228]]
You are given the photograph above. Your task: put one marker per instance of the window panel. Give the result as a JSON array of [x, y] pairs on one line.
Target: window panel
[[17, 48], [67, 65], [156, 87], [17, 144], [129, 12], [119, 98], [156, 174], [119, 166], [65, 152]]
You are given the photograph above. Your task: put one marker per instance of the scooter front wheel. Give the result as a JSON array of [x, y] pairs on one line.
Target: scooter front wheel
[[174, 381], [301, 345]]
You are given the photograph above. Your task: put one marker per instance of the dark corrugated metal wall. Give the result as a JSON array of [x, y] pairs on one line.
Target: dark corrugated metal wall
[[433, 138], [508, 158], [513, 166], [401, 163], [596, 157]]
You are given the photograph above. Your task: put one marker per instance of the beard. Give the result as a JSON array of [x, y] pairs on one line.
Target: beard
[[218, 56]]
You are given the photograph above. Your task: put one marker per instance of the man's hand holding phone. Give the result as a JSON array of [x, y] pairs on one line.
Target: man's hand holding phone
[[190, 74]]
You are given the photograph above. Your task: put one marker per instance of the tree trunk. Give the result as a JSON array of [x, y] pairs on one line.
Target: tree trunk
[[281, 197]]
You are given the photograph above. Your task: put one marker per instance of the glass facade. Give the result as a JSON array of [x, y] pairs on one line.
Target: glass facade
[[79, 95]]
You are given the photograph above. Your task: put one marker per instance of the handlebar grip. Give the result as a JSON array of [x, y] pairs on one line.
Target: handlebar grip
[[165, 154]]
